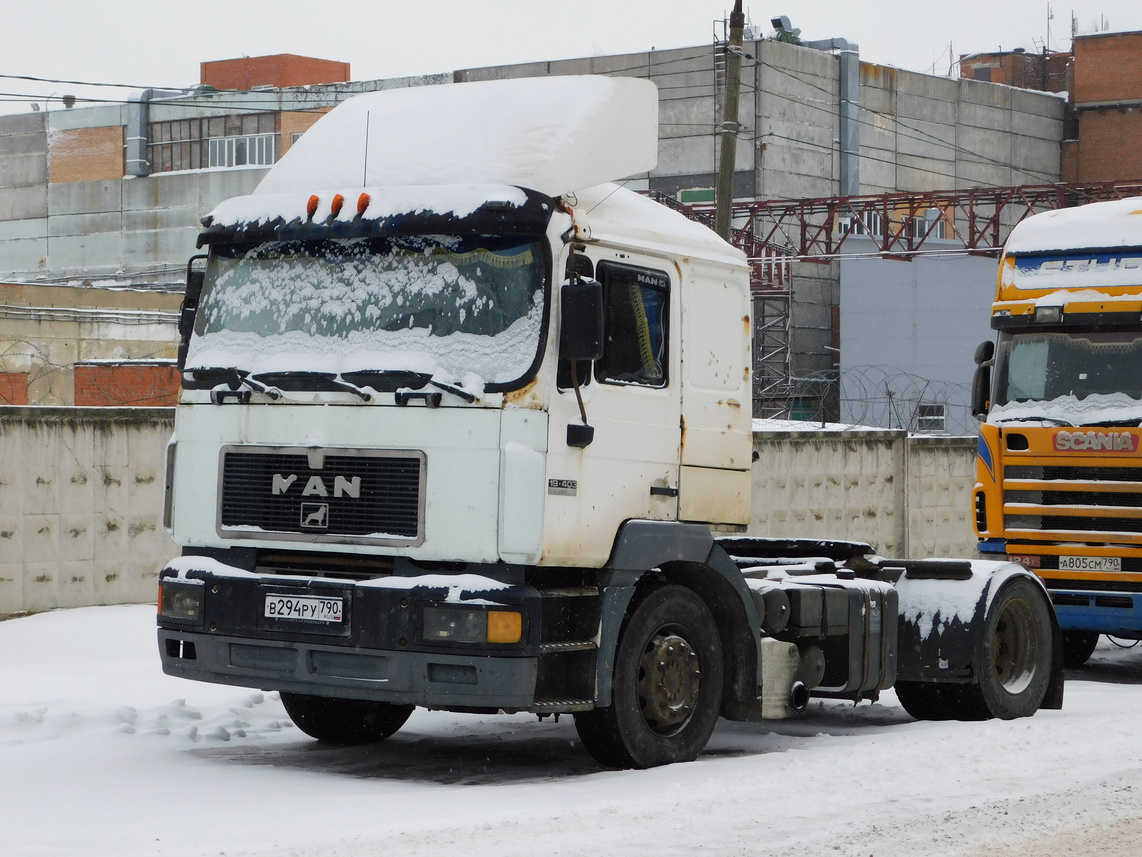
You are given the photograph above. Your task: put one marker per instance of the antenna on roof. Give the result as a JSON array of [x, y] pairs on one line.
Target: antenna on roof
[[365, 173]]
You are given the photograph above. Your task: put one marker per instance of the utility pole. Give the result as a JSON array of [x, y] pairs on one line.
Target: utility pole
[[729, 130]]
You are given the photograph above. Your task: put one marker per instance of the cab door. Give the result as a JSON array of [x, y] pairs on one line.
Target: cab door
[[632, 399]]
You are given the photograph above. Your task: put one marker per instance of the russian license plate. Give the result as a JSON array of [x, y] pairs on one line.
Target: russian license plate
[[1090, 563], [305, 608]]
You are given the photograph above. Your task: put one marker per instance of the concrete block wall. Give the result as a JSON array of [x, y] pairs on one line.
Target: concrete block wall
[[81, 499], [908, 497], [80, 506]]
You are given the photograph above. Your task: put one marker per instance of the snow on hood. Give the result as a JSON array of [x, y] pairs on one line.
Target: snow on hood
[[1104, 225], [1095, 409], [551, 134]]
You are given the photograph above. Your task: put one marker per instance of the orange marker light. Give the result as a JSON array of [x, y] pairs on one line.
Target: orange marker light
[[363, 202], [335, 206], [504, 626], [311, 209]]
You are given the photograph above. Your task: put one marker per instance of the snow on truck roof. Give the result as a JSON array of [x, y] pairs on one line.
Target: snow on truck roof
[[550, 134], [450, 149], [1097, 225]]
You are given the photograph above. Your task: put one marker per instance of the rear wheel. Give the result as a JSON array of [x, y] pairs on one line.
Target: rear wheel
[[344, 721], [1015, 662], [667, 688], [1013, 668], [927, 700], [1078, 646]]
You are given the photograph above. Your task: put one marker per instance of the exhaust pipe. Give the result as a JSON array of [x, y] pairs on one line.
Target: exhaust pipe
[[798, 696]]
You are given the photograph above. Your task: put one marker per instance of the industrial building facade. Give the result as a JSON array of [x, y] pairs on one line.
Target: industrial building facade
[[101, 205]]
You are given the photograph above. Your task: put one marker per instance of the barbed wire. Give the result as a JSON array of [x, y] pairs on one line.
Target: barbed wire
[[876, 396]]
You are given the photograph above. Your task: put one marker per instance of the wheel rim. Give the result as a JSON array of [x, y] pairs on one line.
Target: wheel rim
[[1013, 645], [669, 682]]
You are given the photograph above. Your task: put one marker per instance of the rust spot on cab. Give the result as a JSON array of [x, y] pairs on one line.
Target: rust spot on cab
[[682, 429], [524, 397]]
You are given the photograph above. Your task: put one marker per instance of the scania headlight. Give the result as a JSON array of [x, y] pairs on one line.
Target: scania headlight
[[181, 600], [458, 625]]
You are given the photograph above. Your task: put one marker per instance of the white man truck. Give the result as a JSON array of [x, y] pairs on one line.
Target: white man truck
[[1059, 467], [465, 426]]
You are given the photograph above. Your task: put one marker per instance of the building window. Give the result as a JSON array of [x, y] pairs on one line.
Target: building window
[[249, 150], [930, 418], [803, 409], [189, 144]]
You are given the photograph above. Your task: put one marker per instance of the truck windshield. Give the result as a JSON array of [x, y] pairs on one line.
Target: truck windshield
[[447, 306], [1046, 366]]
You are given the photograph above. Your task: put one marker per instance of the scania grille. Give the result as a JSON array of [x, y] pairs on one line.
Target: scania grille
[[341, 495], [1072, 503]]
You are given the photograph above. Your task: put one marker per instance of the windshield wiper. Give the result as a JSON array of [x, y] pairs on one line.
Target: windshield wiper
[[455, 391], [328, 379], [1059, 421], [405, 378], [234, 378]]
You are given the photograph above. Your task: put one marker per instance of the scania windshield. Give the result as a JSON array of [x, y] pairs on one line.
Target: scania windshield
[[461, 309], [1076, 377]]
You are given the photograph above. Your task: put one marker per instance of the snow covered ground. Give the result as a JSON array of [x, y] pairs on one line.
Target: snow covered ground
[[102, 754]]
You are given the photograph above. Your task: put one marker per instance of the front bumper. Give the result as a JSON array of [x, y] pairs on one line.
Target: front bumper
[[1116, 613], [418, 678], [378, 648]]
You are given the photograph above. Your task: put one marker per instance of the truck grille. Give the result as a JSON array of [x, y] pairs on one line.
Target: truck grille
[[342, 495], [1074, 503]]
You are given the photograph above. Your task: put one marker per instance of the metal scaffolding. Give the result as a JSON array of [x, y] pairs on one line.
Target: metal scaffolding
[[776, 233]]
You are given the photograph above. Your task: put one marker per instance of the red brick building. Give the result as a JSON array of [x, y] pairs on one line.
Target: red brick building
[[1107, 100], [1047, 72], [134, 383], [278, 72], [1102, 76]]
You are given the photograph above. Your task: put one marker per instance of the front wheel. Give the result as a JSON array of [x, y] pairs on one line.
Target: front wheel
[[667, 688], [344, 721], [1078, 646]]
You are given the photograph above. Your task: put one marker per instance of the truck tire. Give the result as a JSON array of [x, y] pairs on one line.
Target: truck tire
[[667, 689], [1014, 666], [926, 700], [344, 721], [1013, 669], [1078, 646]]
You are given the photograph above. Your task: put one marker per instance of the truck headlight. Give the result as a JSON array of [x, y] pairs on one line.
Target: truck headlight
[[181, 600], [452, 625]]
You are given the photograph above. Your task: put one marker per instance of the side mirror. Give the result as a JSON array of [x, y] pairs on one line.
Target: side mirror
[[984, 352], [195, 277], [581, 320], [981, 381]]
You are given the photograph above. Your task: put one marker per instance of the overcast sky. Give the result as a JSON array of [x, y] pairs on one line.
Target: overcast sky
[[156, 43]]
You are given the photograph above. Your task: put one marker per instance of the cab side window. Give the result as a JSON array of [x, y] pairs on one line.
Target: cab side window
[[636, 308]]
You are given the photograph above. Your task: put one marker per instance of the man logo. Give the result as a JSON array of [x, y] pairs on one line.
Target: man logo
[[315, 486], [315, 516]]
